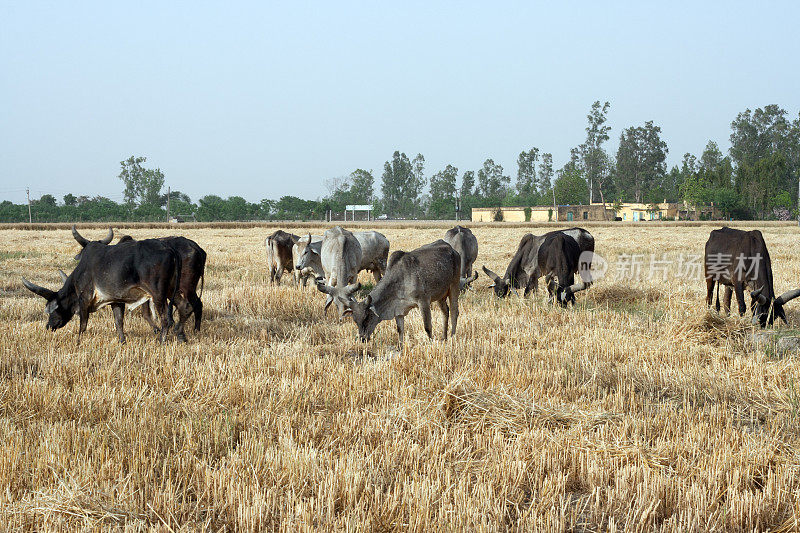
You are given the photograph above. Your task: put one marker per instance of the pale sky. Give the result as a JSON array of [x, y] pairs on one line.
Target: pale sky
[[267, 99]]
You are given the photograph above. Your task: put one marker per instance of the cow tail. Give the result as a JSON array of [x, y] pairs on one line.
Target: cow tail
[[202, 282]]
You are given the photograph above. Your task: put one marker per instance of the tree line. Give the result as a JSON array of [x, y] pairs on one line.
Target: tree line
[[756, 179]]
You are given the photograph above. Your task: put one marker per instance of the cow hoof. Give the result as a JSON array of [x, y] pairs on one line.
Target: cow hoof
[[182, 337]]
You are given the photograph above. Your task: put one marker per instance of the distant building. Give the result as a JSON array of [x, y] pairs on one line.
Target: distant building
[[631, 212], [561, 213]]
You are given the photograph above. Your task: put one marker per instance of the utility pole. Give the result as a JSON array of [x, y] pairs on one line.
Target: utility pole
[[555, 207], [798, 202], [28, 193], [168, 195]]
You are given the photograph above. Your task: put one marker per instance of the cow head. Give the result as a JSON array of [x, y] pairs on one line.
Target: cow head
[[501, 286], [464, 283], [765, 311], [341, 296], [83, 242], [366, 318], [59, 308], [305, 253]]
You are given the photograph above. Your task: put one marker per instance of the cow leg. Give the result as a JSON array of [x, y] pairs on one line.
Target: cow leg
[[84, 321], [197, 309], [119, 315], [739, 289], [425, 309], [148, 316], [726, 303], [454, 292], [401, 328], [446, 315], [184, 310], [710, 292], [161, 309]]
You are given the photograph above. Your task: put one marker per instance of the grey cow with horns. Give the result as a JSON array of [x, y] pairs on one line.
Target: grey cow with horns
[[417, 278]]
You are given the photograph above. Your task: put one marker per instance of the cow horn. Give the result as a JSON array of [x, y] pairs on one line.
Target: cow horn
[[107, 239], [78, 236], [47, 294], [494, 277], [322, 287], [350, 289], [328, 302], [756, 295], [787, 296], [63, 276]]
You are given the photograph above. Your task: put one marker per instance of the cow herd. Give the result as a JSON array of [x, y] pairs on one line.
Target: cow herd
[[160, 275]]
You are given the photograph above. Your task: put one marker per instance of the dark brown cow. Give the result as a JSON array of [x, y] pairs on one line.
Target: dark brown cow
[[738, 260], [279, 254]]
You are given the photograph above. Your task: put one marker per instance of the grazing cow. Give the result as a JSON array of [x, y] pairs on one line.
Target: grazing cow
[[340, 255], [523, 269], [559, 260], [314, 268], [130, 273], [464, 242], [193, 266], [374, 252], [740, 259], [428, 274], [279, 254]]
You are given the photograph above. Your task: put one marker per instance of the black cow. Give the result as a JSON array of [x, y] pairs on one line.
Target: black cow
[[523, 270], [740, 259], [129, 273], [558, 259], [193, 265], [193, 268]]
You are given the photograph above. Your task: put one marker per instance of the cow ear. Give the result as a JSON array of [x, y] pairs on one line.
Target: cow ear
[[51, 306]]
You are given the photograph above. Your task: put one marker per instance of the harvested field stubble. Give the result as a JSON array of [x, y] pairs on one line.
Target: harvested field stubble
[[635, 410]]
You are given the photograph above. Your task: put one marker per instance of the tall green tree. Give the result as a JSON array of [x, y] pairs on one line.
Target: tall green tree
[[443, 193], [641, 161], [570, 187], [416, 185], [492, 183], [526, 172], [545, 177], [595, 160], [361, 186], [142, 185], [394, 184], [765, 150]]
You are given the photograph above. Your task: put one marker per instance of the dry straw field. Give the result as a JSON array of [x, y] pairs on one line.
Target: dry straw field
[[636, 410]]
